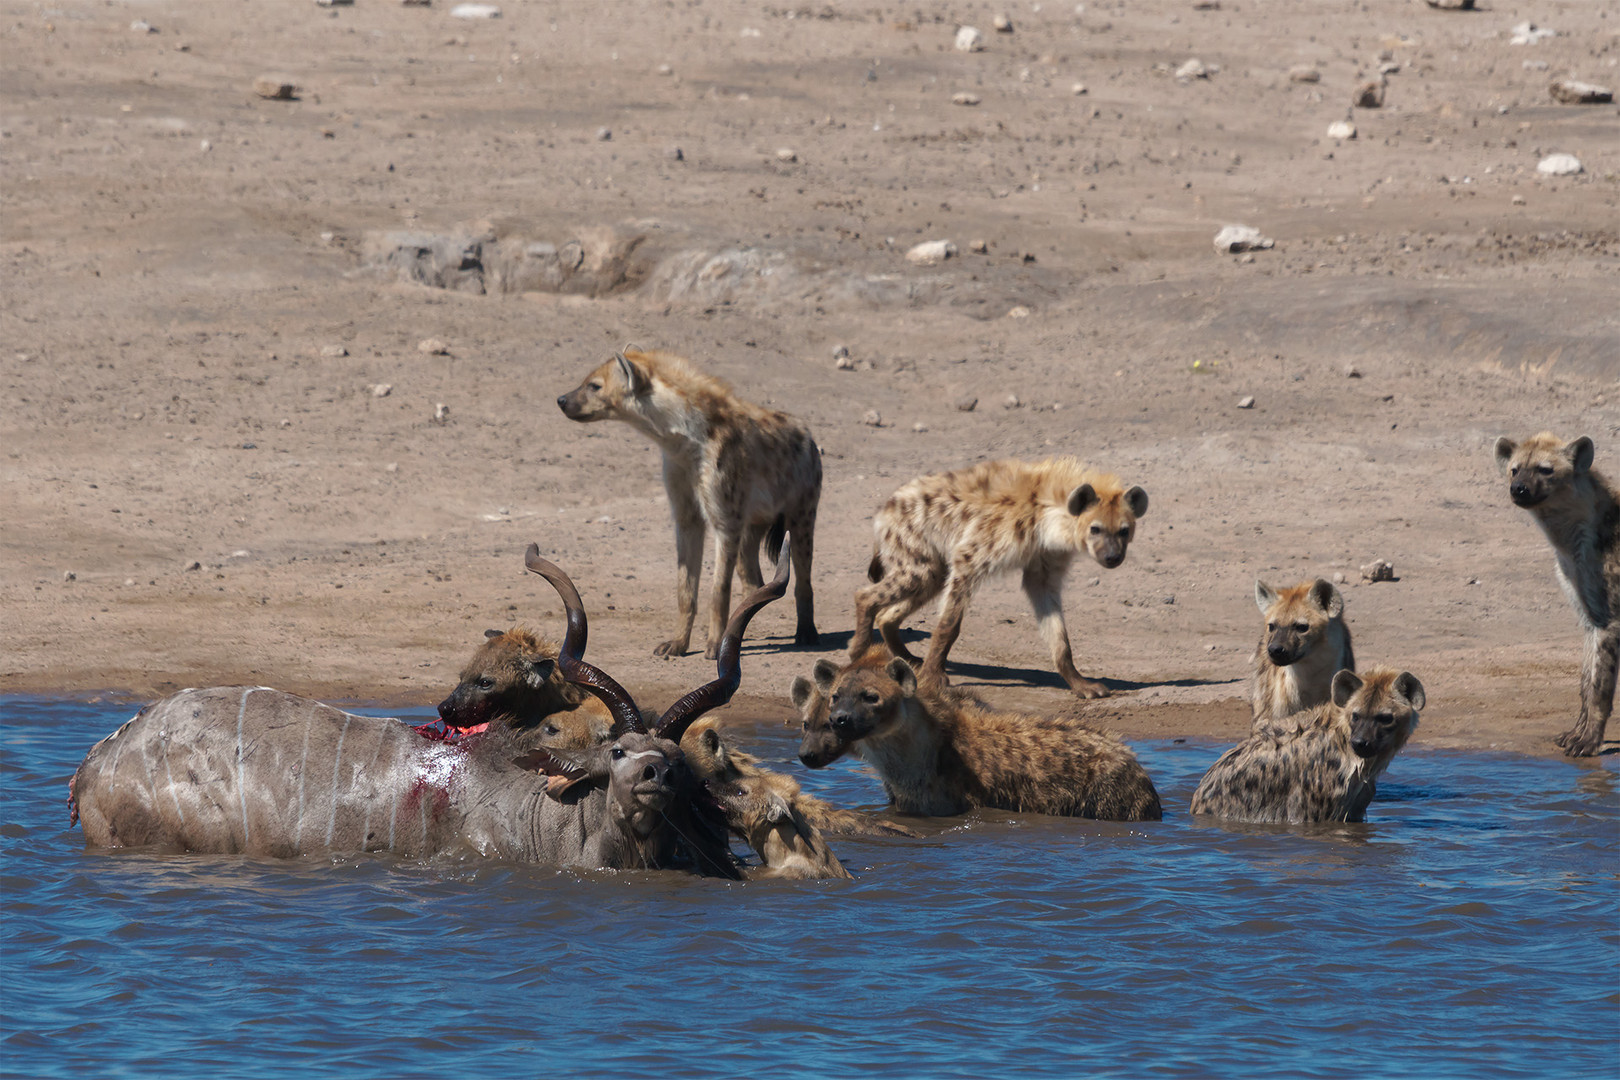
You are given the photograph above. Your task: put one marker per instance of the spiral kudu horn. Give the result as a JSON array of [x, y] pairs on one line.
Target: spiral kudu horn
[[626, 716], [680, 716]]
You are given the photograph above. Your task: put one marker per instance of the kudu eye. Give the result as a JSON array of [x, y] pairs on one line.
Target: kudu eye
[[486, 684], [616, 753]]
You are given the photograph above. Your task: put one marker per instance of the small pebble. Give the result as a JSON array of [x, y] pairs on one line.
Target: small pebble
[[931, 252], [1011, 402], [1304, 73], [1236, 238], [1369, 95], [1018, 312], [1078, 89], [1192, 69], [194, 565], [1378, 570], [1338, 577], [872, 418], [785, 154], [968, 39], [962, 97], [919, 427], [1351, 371], [275, 87], [382, 390], [675, 153], [334, 350], [1341, 129], [967, 404], [433, 347], [1002, 24], [604, 134], [979, 247], [475, 11], [441, 413], [1246, 402], [840, 351], [68, 575], [665, 69], [1518, 200], [1560, 165], [844, 363], [141, 26]]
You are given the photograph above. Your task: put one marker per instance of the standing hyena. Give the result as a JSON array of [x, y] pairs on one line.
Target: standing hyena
[[1305, 643], [729, 465], [1580, 513], [947, 533]]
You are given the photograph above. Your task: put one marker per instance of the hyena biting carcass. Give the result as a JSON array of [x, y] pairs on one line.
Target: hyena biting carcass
[[729, 465], [1579, 510], [948, 533], [1305, 643]]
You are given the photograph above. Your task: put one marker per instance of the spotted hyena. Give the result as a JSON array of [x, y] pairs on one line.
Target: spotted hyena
[[948, 533], [729, 466], [1305, 643]]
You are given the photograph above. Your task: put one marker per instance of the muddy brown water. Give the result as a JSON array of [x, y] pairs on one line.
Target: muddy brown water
[[1469, 928]]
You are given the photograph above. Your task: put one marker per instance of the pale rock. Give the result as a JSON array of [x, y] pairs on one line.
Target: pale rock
[[1304, 73], [68, 575], [786, 154], [441, 413], [141, 26], [604, 134], [433, 347], [1238, 238], [962, 97], [1528, 33], [844, 363], [1011, 402], [275, 87], [1518, 200], [1338, 577], [1369, 95], [1078, 89], [475, 11], [967, 404], [840, 351], [333, 351], [1003, 24], [1192, 69], [1341, 129], [1378, 570], [979, 247], [1452, 5], [931, 252], [1575, 92], [382, 390], [665, 69], [1559, 165], [1018, 311], [968, 39], [919, 427], [1246, 402], [872, 418]]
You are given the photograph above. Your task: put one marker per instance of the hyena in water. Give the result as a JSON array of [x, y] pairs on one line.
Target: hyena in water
[[729, 466], [1579, 511], [512, 681], [948, 533], [1305, 643]]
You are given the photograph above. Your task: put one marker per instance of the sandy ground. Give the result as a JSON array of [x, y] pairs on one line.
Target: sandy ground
[[204, 479]]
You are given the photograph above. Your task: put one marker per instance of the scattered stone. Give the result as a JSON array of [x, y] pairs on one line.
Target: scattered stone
[[786, 154], [872, 418], [604, 134], [68, 575], [1304, 73], [382, 390], [1452, 5], [1011, 402], [844, 363], [1018, 311], [1535, 65], [665, 69], [194, 565], [275, 87], [1002, 24], [433, 347], [1369, 95], [1206, 5], [962, 97], [919, 427], [475, 11], [840, 351], [1192, 69], [1351, 371], [979, 247], [1338, 577], [441, 413], [931, 252], [415, 3], [1575, 92], [1559, 165], [1237, 238], [967, 404], [392, 466], [141, 26], [333, 351], [1078, 89], [1378, 570], [1518, 200], [128, 582], [675, 153], [1341, 129], [1528, 33], [205, 146], [1246, 402], [334, 3], [1171, 599], [968, 39], [1389, 67]]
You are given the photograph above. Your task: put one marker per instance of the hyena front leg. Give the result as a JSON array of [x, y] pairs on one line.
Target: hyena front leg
[[726, 546], [1043, 584], [1600, 659], [688, 568]]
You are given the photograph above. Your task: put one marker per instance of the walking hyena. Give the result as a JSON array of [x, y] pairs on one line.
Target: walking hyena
[[949, 532], [1579, 511], [1304, 644], [1320, 765], [729, 466]]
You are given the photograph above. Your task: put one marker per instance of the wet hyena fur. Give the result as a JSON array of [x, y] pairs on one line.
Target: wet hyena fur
[[940, 751], [949, 532], [512, 681], [729, 466], [1304, 644], [1318, 765], [1579, 510]]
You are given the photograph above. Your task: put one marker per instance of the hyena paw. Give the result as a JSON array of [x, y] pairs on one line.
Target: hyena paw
[[1580, 743], [670, 649]]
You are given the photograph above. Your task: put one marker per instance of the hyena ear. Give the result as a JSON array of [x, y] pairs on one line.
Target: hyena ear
[[492, 633], [1580, 453], [900, 671], [800, 691], [1408, 687], [539, 671], [777, 809], [635, 379], [1326, 597], [1082, 499], [825, 673], [1345, 683], [1136, 499], [1264, 595], [711, 741], [1504, 452]]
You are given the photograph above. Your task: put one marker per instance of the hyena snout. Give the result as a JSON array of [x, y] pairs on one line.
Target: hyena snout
[[1285, 648], [1526, 494]]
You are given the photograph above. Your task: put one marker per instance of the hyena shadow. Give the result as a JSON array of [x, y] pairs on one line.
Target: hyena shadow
[[965, 674]]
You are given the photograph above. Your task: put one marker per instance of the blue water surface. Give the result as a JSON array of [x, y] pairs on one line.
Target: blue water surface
[[1470, 928]]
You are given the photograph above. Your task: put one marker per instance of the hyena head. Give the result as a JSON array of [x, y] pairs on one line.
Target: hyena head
[[746, 794], [843, 705], [513, 679], [606, 391], [1541, 467], [1297, 619], [1382, 707], [1105, 520]]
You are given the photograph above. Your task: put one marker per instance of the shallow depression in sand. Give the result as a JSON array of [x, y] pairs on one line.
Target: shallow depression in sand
[[1468, 929]]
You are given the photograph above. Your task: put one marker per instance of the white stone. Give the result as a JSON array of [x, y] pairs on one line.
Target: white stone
[[1246, 402], [786, 154], [1341, 129], [1018, 312], [1236, 238], [931, 252], [334, 350], [1078, 89], [968, 39], [1575, 92], [1192, 69], [872, 418], [1528, 33], [141, 26], [1002, 24], [441, 413], [1559, 165], [475, 11], [1304, 73], [433, 347], [962, 97], [1378, 570], [382, 389]]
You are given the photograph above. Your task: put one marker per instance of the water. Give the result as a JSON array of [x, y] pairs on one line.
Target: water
[[1469, 929]]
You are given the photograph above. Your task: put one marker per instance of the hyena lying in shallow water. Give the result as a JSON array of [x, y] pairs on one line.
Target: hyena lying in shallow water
[[1304, 644], [948, 533], [1579, 510], [729, 465]]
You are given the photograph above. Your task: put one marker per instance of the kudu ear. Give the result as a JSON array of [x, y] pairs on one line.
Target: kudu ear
[[635, 379], [1580, 453], [1082, 499], [493, 634], [539, 672], [1326, 597], [825, 673], [1407, 685], [1345, 683], [1264, 596], [1136, 499], [800, 691], [900, 671], [1504, 452]]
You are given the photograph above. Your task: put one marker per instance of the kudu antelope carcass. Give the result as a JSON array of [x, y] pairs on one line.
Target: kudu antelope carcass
[[258, 771]]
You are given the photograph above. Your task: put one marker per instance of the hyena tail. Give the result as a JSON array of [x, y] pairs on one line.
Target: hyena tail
[[774, 538], [874, 569]]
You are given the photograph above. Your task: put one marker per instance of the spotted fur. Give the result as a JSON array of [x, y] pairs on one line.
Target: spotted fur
[[511, 681], [1304, 643]]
